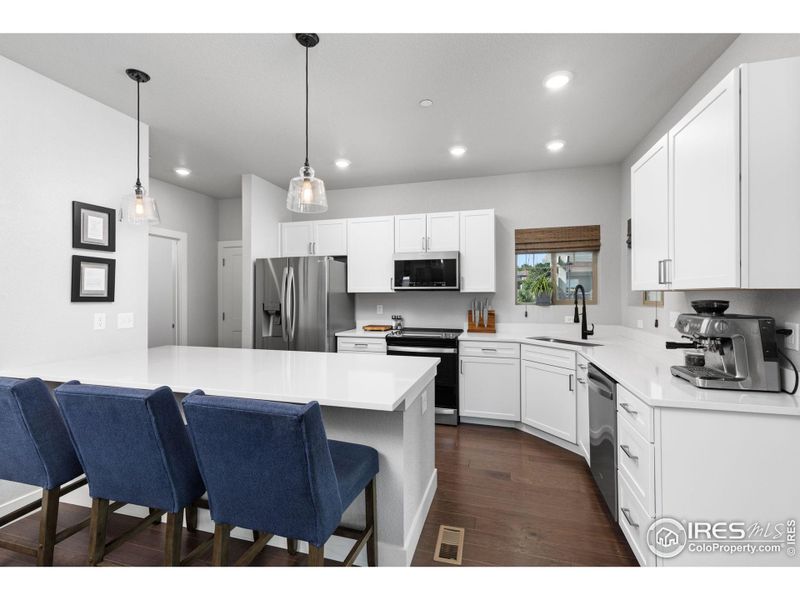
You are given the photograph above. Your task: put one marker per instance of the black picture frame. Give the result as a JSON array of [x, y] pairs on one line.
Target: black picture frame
[[81, 211], [80, 293]]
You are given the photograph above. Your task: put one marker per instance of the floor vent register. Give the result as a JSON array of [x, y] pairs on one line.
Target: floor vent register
[[449, 545]]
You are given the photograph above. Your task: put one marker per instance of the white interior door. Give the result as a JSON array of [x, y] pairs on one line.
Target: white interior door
[[229, 281], [162, 296]]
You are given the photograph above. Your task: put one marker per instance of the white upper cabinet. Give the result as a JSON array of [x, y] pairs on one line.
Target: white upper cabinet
[[370, 246], [704, 191], [771, 174], [443, 232], [433, 232], [650, 218], [296, 238], [476, 243], [410, 233], [310, 238]]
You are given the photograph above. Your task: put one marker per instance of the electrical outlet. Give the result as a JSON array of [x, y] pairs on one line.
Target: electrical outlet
[[639, 323], [125, 321], [99, 321], [792, 341], [673, 317], [380, 309], [568, 319]]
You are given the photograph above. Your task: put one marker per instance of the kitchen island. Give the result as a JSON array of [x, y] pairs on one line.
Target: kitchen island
[[386, 402]]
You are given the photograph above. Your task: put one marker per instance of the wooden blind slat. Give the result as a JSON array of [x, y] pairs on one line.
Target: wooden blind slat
[[557, 239]]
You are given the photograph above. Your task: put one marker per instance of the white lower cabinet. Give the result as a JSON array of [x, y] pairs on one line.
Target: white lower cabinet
[[582, 385], [634, 522], [489, 388], [549, 399]]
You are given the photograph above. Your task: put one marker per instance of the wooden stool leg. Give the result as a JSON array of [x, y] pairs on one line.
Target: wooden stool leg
[[291, 546], [222, 535], [153, 511], [172, 539], [191, 518], [371, 506], [97, 531], [316, 555], [47, 527]]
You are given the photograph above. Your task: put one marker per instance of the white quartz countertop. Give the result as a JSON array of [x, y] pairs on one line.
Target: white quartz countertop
[[362, 334], [639, 362], [361, 381]]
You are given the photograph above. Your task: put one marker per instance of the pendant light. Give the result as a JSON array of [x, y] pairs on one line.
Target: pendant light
[[306, 192], [139, 208]]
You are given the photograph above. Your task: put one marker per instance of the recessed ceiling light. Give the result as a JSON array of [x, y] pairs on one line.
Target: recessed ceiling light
[[426, 102], [458, 150], [555, 145], [342, 163], [183, 171], [557, 80]]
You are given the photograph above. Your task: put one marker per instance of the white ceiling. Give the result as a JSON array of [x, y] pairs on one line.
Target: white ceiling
[[226, 104]]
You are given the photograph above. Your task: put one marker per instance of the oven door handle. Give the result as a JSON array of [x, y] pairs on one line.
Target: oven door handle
[[421, 350]]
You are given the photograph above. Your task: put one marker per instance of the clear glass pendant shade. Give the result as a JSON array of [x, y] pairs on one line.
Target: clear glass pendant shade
[[307, 193], [140, 208]]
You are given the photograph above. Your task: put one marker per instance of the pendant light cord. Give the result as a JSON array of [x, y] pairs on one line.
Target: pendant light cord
[[306, 105], [138, 128]]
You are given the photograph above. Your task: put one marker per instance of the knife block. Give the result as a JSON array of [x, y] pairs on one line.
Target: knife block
[[482, 327]]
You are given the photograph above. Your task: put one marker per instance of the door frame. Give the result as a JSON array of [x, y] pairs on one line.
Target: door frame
[[181, 239], [220, 247]]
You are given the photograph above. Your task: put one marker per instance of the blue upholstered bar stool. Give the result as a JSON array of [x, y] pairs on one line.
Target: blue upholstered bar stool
[[35, 449], [269, 466], [135, 449]]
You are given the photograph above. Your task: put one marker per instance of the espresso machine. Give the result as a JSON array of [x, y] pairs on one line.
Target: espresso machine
[[737, 352]]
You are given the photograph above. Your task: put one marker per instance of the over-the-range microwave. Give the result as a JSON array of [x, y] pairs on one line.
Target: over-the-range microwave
[[426, 271]]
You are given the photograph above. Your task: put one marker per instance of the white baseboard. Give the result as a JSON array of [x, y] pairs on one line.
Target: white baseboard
[[19, 502], [412, 538]]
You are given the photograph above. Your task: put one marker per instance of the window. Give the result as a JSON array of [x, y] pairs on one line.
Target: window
[[552, 261]]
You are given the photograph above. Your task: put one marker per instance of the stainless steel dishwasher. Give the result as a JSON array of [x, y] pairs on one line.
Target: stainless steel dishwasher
[[603, 435]]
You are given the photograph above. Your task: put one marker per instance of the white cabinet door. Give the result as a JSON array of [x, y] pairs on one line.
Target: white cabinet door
[[650, 218], [548, 399], [704, 191], [489, 388], [296, 238], [476, 241], [330, 237], [443, 232], [370, 245], [582, 382], [410, 233]]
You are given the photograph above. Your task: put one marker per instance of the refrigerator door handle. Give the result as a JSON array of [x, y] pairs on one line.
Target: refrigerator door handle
[[285, 306], [294, 303]]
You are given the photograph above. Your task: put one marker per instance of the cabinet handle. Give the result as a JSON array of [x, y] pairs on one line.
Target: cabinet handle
[[428, 244], [309, 247], [423, 243], [660, 271], [667, 278], [461, 367], [627, 450], [313, 247], [391, 283], [627, 513], [570, 382], [360, 345], [488, 349], [627, 408]]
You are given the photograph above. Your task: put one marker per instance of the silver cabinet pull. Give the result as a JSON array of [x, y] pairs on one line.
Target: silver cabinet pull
[[423, 244], [428, 244], [660, 272], [488, 349], [461, 367], [570, 382], [667, 278], [627, 408], [361, 345], [627, 513], [627, 450]]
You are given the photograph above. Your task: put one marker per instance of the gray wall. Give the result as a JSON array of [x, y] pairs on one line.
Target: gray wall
[[230, 219], [783, 305], [195, 214], [584, 196]]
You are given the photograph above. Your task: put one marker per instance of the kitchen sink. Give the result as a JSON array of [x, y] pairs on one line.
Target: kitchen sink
[[544, 338]]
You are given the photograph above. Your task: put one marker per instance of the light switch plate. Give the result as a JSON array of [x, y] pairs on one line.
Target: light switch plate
[[380, 309], [792, 341], [99, 321], [125, 321]]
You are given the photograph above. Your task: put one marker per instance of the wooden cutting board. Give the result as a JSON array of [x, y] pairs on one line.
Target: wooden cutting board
[[377, 328]]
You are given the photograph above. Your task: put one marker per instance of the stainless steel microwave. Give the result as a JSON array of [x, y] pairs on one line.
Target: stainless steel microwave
[[426, 271]]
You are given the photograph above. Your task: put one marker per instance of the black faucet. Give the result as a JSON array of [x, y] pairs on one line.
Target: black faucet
[[585, 331]]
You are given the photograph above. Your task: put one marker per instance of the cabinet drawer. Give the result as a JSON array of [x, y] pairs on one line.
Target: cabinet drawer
[[634, 522], [636, 459], [635, 412], [374, 345], [549, 356], [489, 349]]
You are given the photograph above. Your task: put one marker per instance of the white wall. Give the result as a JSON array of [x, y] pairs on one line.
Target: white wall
[[783, 305], [57, 146], [196, 215], [230, 219], [560, 197], [263, 207]]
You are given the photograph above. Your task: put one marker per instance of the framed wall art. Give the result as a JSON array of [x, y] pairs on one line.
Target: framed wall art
[[92, 279], [93, 227]]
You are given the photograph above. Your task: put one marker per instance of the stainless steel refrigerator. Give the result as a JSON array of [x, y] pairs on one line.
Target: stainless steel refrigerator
[[301, 302]]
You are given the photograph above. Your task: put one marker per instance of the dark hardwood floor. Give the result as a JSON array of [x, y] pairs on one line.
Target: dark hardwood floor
[[521, 501]]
